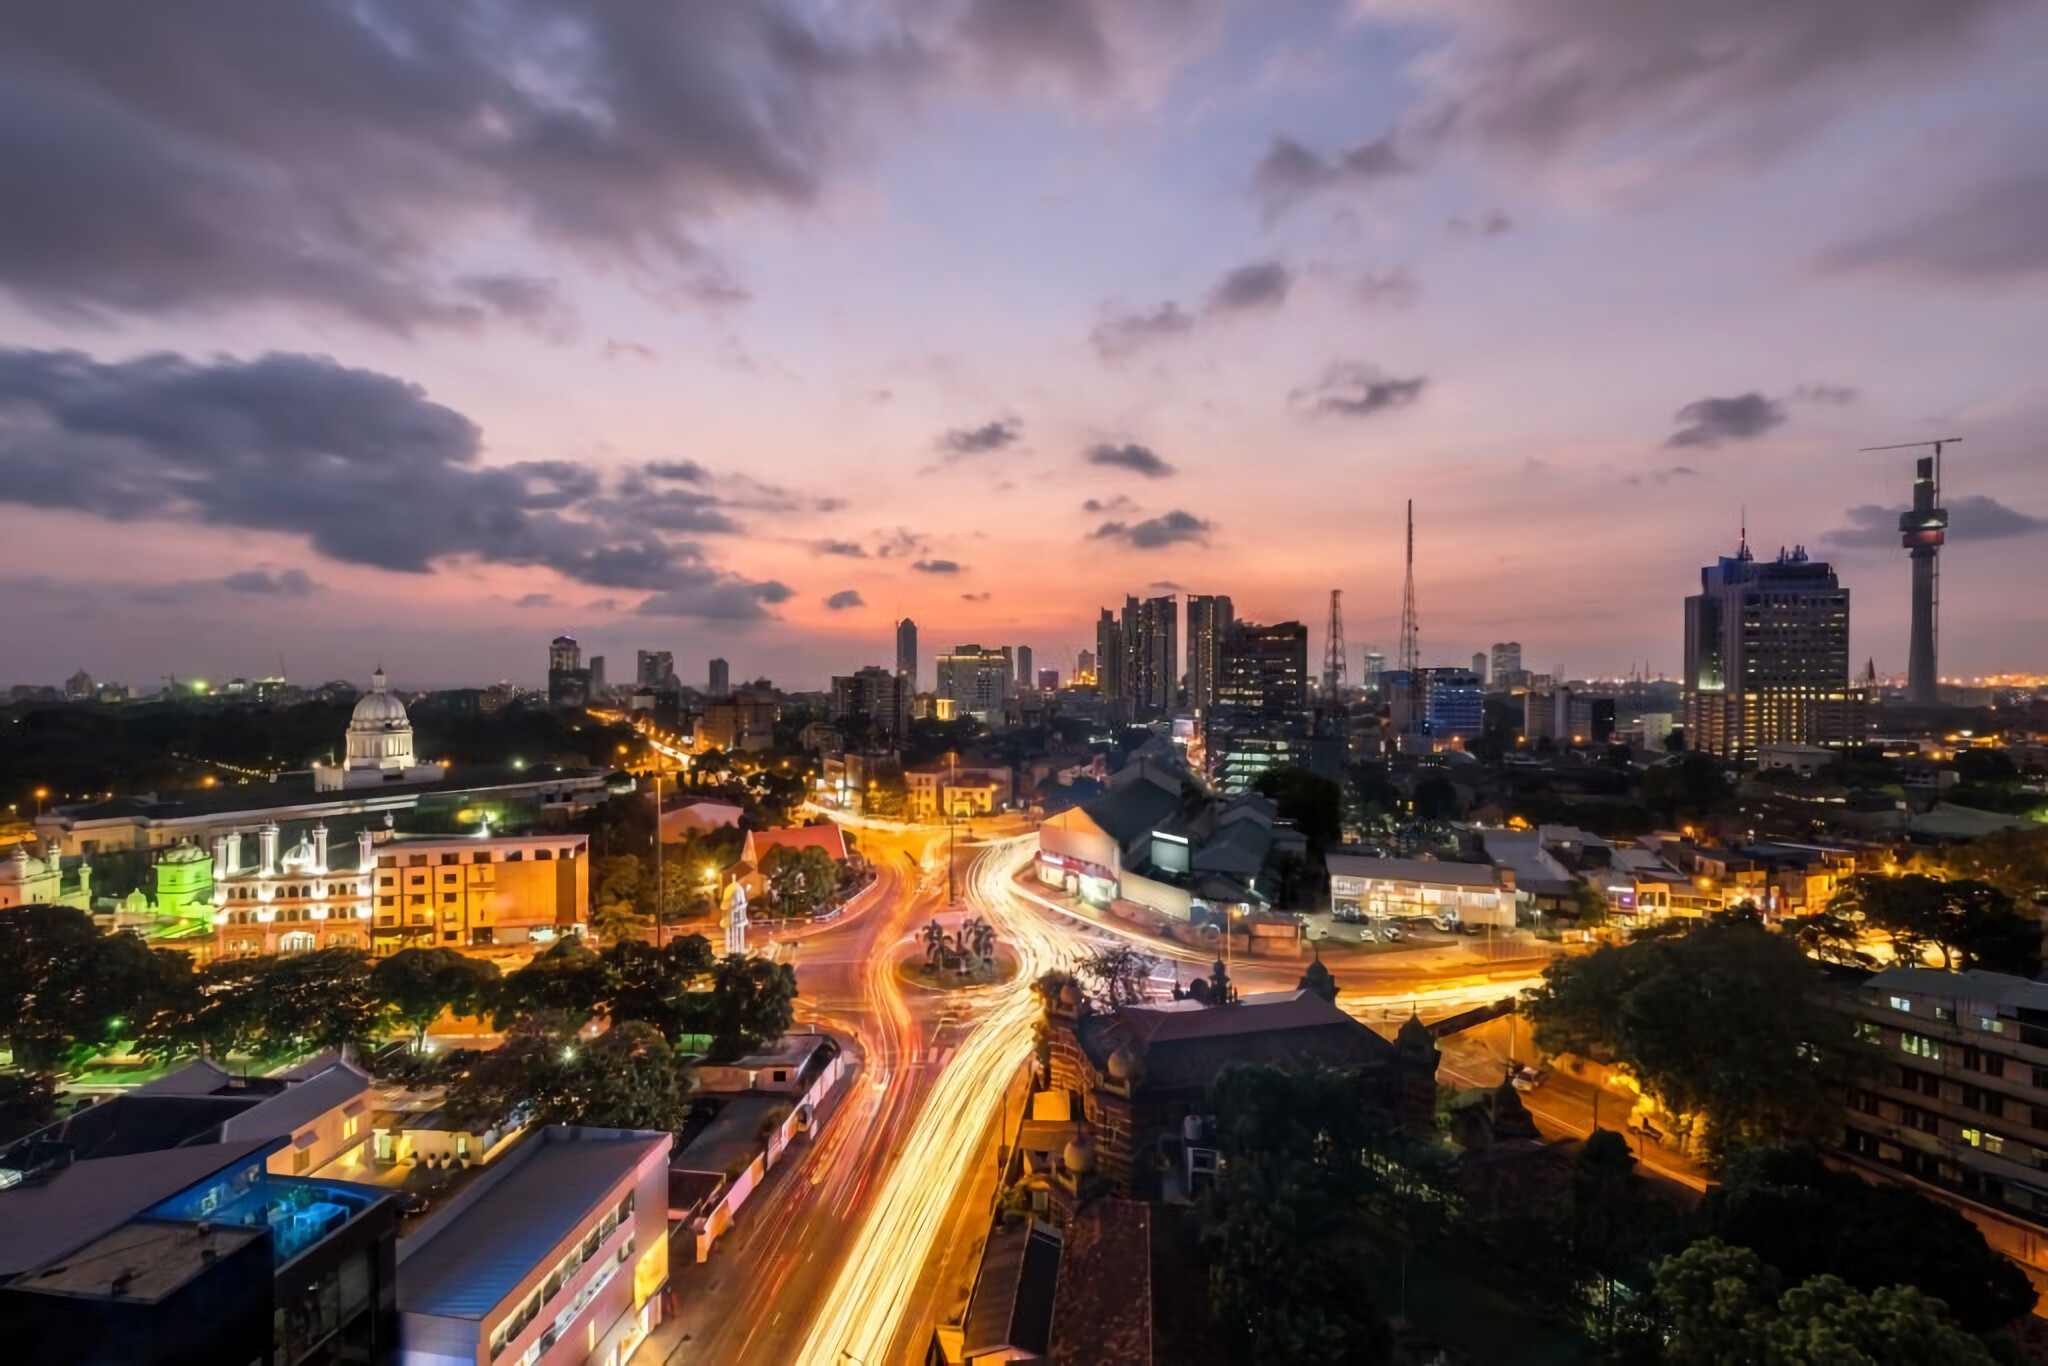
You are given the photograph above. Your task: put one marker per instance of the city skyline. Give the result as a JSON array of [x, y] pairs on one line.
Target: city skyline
[[992, 314]]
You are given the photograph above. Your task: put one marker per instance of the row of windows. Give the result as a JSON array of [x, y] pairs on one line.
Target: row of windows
[[567, 851], [291, 891], [516, 1321]]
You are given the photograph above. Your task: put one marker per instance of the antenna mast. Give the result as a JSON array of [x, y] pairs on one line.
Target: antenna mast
[[1411, 645], [1923, 529], [1334, 681]]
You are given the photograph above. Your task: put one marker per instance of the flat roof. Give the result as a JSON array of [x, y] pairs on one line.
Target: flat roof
[[86, 1200], [735, 1132], [468, 1266], [1990, 988], [1411, 870], [148, 1260]]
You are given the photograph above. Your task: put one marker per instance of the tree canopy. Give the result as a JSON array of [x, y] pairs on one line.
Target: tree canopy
[[1971, 924], [626, 1078], [1313, 803], [419, 984]]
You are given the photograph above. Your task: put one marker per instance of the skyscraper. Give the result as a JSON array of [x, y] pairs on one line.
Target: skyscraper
[[654, 668], [1767, 656], [721, 679], [564, 655], [1109, 657], [874, 695], [1505, 659], [1151, 640], [1024, 675], [1209, 618], [1375, 665], [1453, 704], [1479, 665], [598, 687], [977, 680], [568, 680], [1084, 666], [906, 653], [1263, 670]]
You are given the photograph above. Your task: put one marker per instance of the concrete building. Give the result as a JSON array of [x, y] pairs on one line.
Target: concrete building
[[1767, 657], [1505, 658], [1151, 665], [1399, 888], [557, 1253], [654, 669], [1453, 706], [719, 680], [28, 880], [1209, 622], [736, 726], [1048, 680], [1109, 658], [936, 791], [872, 695], [1923, 529], [1375, 667], [1263, 670], [976, 680], [568, 680], [378, 745], [1479, 666], [906, 655], [1023, 676]]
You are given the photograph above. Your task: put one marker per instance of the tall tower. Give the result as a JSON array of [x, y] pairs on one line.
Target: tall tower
[[1922, 530], [906, 653], [1334, 680], [1209, 619], [1411, 630]]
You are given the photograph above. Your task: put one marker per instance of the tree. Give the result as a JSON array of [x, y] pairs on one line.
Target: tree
[[1721, 1305], [1115, 976], [1805, 1219], [626, 1078], [653, 985], [1971, 923], [800, 877], [751, 1002], [1312, 802], [1436, 799], [1591, 905], [1721, 1022], [2014, 861], [1610, 1219], [67, 990], [28, 1100], [320, 999], [568, 979], [1689, 787], [617, 922], [419, 984]]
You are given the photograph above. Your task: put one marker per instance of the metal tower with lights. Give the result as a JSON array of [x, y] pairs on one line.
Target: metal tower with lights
[[1334, 672], [1923, 529]]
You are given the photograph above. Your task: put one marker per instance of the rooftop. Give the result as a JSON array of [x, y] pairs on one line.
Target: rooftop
[[1411, 870], [1102, 1309], [140, 1261], [1013, 1294], [826, 837], [733, 1136], [545, 1192], [86, 1200], [1987, 988]]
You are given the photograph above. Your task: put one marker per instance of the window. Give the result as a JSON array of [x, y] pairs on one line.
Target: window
[[1920, 1046], [1977, 1060], [302, 1161], [448, 877], [351, 1126], [1990, 1025], [480, 856], [1902, 1003], [1863, 1102], [543, 853], [387, 901], [451, 858], [419, 879], [1945, 1014], [417, 899], [1868, 1032], [416, 861], [448, 898]]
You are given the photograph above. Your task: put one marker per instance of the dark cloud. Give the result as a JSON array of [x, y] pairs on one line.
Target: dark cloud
[[718, 597], [536, 600], [1970, 518], [989, 437], [1355, 389], [1492, 223], [1172, 528], [1289, 171], [1978, 236], [364, 466], [976, 597], [289, 583], [1120, 333], [845, 598], [1166, 586], [938, 566], [1833, 395], [1090, 48], [320, 153], [1129, 456], [1262, 284], [682, 471], [851, 549], [1711, 421], [1389, 289], [1119, 503], [899, 544]]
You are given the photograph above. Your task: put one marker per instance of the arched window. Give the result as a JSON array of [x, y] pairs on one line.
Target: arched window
[[299, 941]]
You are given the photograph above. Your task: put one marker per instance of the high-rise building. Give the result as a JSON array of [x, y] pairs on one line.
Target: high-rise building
[[1453, 705], [1024, 675], [1375, 669], [1506, 658], [1209, 619], [1151, 639], [721, 679], [1767, 656], [1049, 679], [79, 687], [568, 680], [975, 680], [1263, 670], [1084, 667], [874, 695], [654, 668], [1479, 665], [906, 654], [599, 688], [1109, 657]]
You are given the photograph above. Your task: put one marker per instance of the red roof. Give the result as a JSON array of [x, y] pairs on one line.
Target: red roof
[[826, 837]]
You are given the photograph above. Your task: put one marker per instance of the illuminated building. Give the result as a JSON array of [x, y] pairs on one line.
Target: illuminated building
[[1109, 657], [1505, 658], [1022, 678], [906, 654], [945, 790], [1209, 621], [1151, 641], [26, 880], [1084, 668], [975, 679], [1472, 893], [1923, 528], [379, 745], [568, 680], [654, 669], [1375, 669], [1263, 670], [873, 695], [1767, 657], [1453, 706]]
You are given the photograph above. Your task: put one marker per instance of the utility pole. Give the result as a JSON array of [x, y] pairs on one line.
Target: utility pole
[[660, 862]]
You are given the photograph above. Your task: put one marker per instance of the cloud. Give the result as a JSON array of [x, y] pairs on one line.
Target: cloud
[[1130, 456], [1978, 236], [536, 600], [962, 442], [1092, 50], [900, 544], [1710, 421], [1356, 389], [362, 465], [1119, 503], [850, 549], [1388, 289], [1492, 223], [321, 155], [1262, 284], [615, 349], [1166, 586], [682, 471], [1121, 333], [718, 597], [1974, 517], [1172, 528], [845, 598], [938, 567], [1833, 395], [976, 597], [1290, 172], [290, 583]]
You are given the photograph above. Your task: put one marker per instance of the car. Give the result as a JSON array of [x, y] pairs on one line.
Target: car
[[1529, 1078]]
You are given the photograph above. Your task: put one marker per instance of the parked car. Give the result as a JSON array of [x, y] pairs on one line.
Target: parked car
[[1529, 1078]]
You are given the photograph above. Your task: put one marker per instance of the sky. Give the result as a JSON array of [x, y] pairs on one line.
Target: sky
[[342, 334]]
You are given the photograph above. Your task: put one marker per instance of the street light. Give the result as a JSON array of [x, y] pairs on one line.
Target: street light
[[41, 793]]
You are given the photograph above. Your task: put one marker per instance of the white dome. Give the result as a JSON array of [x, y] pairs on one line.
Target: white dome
[[379, 708]]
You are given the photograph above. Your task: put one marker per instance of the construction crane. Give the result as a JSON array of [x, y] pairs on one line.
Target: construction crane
[[1923, 530]]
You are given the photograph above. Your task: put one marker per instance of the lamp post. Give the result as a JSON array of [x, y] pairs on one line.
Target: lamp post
[[660, 863]]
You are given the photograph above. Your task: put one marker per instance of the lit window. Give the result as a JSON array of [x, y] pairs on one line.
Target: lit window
[[1973, 1137], [1919, 1046], [1990, 1025], [1902, 1003]]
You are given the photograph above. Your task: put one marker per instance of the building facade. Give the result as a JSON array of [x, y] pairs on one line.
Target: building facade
[[1263, 670], [873, 695], [1454, 705], [1209, 621], [378, 744], [1109, 657], [906, 655], [1767, 657], [1505, 658], [719, 680], [1151, 639], [654, 669], [975, 679], [1024, 675]]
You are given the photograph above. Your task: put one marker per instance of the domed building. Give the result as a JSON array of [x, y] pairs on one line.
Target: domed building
[[379, 745]]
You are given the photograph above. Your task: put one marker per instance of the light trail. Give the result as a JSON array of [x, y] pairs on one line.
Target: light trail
[[863, 1314]]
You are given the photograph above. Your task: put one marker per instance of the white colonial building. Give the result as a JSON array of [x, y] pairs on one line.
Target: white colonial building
[[379, 745]]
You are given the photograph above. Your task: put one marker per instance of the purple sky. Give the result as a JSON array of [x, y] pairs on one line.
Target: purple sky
[[419, 333]]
